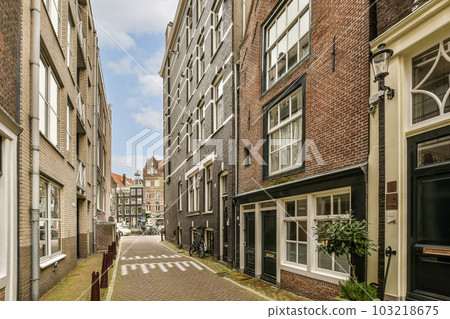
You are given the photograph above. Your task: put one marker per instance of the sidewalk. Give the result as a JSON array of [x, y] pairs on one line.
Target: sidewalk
[[261, 287], [77, 284]]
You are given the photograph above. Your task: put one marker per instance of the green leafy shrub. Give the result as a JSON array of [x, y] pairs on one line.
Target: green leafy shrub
[[344, 237], [351, 290]]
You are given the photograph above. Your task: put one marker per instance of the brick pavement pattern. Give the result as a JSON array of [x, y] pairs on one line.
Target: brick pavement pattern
[[142, 281]]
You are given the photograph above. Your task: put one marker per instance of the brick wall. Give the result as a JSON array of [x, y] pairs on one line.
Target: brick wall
[[336, 102], [9, 35], [389, 12], [307, 287], [105, 235]]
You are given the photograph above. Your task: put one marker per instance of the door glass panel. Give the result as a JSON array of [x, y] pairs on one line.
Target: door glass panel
[[433, 220], [433, 151]]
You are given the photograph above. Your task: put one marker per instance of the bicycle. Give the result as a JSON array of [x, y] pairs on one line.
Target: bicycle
[[198, 247]]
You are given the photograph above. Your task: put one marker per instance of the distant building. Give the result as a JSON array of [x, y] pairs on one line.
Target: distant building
[[154, 191], [128, 201]]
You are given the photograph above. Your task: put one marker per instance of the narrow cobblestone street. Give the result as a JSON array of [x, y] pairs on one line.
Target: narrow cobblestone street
[[150, 271]]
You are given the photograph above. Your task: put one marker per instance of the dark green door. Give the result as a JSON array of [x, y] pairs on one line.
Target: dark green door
[[269, 246], [249, 243], [429, 221]]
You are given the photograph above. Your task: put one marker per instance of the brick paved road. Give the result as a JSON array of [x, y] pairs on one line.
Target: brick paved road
[[151, 271]]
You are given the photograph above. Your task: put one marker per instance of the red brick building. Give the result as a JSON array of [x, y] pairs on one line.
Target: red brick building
[[303, 134], [153, 175]]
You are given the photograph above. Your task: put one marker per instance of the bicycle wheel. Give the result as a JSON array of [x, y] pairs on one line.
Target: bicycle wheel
[[201, 249], [192, 250]]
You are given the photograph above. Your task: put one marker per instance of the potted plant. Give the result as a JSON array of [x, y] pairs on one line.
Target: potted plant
[[347, 237]]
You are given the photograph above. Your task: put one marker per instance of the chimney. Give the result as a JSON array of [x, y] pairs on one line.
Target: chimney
[[124, 180]]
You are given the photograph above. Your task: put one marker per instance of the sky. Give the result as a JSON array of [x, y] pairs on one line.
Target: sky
[[131, 39]]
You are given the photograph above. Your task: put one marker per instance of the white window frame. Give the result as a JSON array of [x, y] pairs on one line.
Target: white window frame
[[69, 54], [193, 192], [311, 269], [190, 79], [49, 219], [218, 104], [208, 187], [190, 136], [201, 57], [69, 134], [277, 142], [442, 54], [47, 109], [180, 196], [281, 28], [218, 25], [202, 123], [54, 11], [200, 8]]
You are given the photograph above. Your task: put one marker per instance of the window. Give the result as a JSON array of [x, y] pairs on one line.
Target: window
[[302, 214], [69, 132], [139, 192], [200, 8], [296, 231], [50, 219], [139, 200], [157, 195], [69, 54], [133, 201], [157, 208], [190, 136], [54, 13], [133, 192], [178, 142], [190, 79], [49, 101], [201, 57], [157, 183], [180, 196], [127, 201], [127, 210], [285, 133], [202, 123], [433, 151], [193, 193], [147, 195], [139, 210], [328, 207], [189, 22], [120, 210], [147, 183], [286, 39], [209, 188], [248, 158], [218, 105], [431, 83], [133, 210], [218, 26]]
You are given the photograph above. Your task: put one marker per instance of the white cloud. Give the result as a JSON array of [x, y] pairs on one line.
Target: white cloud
[[148, 117], [132, 17], [150, 85]]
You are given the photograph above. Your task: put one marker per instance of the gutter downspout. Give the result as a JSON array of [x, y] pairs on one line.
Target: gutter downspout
[[18, 81], [35, 55], [236, 157], [95, 139]]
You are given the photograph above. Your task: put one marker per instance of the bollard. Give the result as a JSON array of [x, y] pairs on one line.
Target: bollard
[[104, 279], [110, 250], [95, 288], [162, 236], [115, 249]]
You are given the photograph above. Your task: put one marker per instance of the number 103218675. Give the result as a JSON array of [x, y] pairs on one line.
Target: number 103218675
[[405, 310]]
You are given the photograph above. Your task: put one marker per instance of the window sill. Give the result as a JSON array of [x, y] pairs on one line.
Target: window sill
[[48, 262], [195, 213], [285, 172], [208, 213], [333, 278]]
